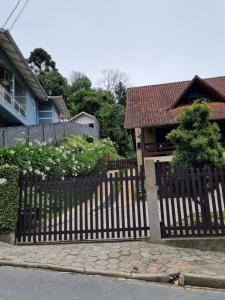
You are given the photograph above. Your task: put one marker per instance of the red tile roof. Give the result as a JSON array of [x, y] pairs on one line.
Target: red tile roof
[[153, 105]]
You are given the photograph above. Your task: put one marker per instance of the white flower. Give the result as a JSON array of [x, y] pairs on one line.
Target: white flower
[[37, 142], [47, 168], [37, 172], [28, 162], [63, 171], [50, 160], [30, 144], [30, 169], [24, 172], [6, 165], [12, 152]]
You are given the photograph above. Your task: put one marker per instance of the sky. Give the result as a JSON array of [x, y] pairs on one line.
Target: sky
[[152, 41]]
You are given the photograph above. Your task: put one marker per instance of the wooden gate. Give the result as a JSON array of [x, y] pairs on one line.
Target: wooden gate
[[77, 209], [191, 201]]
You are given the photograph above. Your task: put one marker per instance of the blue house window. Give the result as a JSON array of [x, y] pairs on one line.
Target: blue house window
[[45, 114]]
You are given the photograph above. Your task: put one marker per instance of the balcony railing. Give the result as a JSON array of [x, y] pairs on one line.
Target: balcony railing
[[7, 97], [164, 148], [158, 149]]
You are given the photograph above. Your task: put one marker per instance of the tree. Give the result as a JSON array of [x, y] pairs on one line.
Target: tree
[[196, 139], [111, 78], [41, 61], [121, 93], [111, 117], [82, 97], [80, 81], [53, 82]]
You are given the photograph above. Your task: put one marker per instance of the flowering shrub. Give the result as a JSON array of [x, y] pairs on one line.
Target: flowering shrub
[[74, 156]]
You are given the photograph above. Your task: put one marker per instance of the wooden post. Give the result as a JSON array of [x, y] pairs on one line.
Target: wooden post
[[152, 200]]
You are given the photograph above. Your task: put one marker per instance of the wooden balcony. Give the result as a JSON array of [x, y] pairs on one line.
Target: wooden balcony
[[160, 149]]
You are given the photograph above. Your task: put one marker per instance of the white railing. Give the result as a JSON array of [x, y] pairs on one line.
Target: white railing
[[7, 97]]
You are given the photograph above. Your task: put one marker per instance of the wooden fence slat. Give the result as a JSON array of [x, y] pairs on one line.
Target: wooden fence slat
[[195, 199], [219, 201], [127, 204], [75, 210], [133, 204], [36, 211], [50, 188], [91, 217], [187, 184], [86, 213], [70, 184], [55, 206], [122, 208], [137, 180], [60, 197], [117, 205], [171, 196], [107, 207], [40, 209], [96, 212], [45, 211], [112, 205], [101, 210], [211, 185]]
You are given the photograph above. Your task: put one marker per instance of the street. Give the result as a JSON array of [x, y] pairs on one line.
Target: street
[[23, 284]]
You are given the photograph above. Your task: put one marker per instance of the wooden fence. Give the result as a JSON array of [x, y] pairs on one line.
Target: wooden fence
[[90, 208], [191, 201], [122, 164], [56, 131]]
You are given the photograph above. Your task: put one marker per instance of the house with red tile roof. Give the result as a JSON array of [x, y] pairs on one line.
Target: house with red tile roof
[[153, 111]]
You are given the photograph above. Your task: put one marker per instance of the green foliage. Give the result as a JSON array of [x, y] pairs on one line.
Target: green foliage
[[53, 82], [74, 156], [80, 96], [40, 60], [121, 93], [196, 139], [111, 118], [9, 198], [80, 82]]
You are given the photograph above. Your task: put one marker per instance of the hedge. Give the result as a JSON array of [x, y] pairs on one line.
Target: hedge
[[9, 198]]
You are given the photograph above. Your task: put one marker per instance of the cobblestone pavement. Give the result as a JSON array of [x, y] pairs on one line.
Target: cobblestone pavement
[[140, 257]]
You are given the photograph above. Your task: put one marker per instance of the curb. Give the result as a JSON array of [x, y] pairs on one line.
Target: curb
[[184, 279], [160, 277], [216, 282]]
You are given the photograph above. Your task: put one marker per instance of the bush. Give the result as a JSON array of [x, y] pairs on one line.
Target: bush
[[73, 156], [196, 139], [9, 198]]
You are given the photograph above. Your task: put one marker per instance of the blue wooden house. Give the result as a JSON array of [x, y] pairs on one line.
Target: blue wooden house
[[23, 100]]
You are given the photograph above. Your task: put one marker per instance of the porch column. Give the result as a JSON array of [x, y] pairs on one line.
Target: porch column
[[152, 200]]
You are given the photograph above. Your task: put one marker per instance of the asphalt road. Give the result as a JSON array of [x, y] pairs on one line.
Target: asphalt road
[[23, 284]]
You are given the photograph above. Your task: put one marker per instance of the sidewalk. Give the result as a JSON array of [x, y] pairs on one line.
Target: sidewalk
[[126, 257]]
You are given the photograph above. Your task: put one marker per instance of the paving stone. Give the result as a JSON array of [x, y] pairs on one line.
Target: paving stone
[[139, 257]]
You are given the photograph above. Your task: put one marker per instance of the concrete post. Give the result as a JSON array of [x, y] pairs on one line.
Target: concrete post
[[152, 200]]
